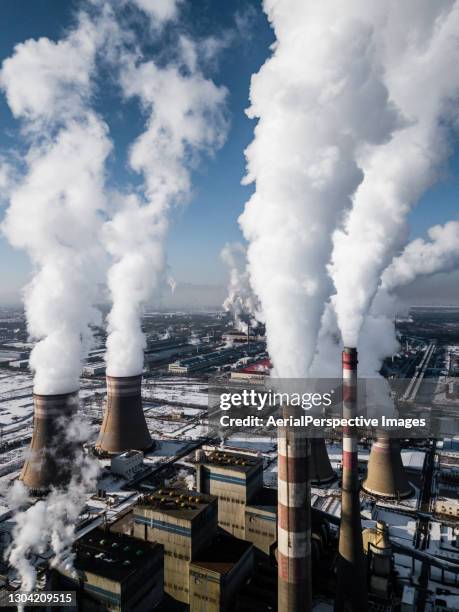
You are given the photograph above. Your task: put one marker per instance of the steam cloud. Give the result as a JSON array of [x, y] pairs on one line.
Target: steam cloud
[[423, 83], [240, 300], [185, 117], [54, 209], [319, 99]]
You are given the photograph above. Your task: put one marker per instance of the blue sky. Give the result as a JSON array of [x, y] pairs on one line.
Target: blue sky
[[200, 230]]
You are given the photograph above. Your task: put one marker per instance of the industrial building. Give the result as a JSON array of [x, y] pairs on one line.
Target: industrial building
[[114, 572], [184, 523], [202, 362], [246, 508], [203, 567], [127, 464], [218, 572]]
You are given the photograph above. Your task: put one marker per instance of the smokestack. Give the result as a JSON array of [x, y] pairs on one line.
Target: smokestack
[[351, 585], [386, 476], [320, 467], [124, 426], [294, 522], [50, 459]]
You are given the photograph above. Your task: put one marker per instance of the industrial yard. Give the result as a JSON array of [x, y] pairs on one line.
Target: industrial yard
[[409, 533]]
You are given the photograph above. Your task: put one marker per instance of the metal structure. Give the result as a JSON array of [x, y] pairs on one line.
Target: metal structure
[[320, 467], [50, 457], [293, 521], [351, 586], [124, 426]]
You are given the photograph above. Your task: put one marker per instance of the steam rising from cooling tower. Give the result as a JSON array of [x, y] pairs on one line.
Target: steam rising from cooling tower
[[240, 300], [185, 117], [54, 209]]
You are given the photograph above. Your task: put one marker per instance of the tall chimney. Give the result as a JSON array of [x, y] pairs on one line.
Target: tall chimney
[[351, 583], [293, 522], [386, 476], [50, 459], [320, 467], [124, 426]]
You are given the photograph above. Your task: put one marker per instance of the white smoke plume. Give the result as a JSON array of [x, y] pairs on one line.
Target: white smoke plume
[[54, 209], [50, 523], [184, 118], [440, 253], [319, 98], [416, 44], [241, 299]]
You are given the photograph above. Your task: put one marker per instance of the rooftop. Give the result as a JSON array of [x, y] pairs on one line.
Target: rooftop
[[180, 503], [237, 461], [223, 554], [112, 555]]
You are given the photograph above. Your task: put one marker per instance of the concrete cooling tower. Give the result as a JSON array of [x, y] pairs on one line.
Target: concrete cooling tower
[[386, 476], [320, 468], [50, 455], [124, 426]]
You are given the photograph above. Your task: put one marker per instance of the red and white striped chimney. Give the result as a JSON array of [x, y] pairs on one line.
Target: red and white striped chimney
[[351, 585], [293, 521]]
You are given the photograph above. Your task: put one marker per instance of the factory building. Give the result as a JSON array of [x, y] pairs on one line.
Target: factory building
[[202, 362], [115, 572], [127, 464], [185, 524], [234, 479], [246, 509], [218, 572], [203, 567]]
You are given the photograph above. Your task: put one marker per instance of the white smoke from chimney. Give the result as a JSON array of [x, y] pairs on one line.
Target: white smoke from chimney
[[421, 257], [416, 44], [319, 99], [241, 300], [184, 118], [440, 253], [54, 210]]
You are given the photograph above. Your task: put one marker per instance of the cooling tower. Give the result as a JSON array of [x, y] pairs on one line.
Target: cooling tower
[[124, 426], [293, 522], [351, 580], [386, 475], [320, 467], [50, 455]]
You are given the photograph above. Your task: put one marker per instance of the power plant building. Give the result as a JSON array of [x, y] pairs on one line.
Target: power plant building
[[218, 572], [203, 567], [114, 572]]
